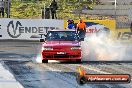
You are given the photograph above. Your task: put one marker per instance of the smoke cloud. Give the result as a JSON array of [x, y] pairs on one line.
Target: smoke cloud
[[105, 49]]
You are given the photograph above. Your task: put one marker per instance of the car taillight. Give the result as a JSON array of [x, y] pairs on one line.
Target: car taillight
[[75, 48], [47, 48]]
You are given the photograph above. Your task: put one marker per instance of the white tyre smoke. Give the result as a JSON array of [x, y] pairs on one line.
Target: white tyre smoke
[[37, 59], [96, 48]]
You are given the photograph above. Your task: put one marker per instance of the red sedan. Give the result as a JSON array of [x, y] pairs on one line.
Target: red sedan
[[61, 45]]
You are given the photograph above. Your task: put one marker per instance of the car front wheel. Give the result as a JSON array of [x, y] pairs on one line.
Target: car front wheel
[[78, 60], [44, 61]]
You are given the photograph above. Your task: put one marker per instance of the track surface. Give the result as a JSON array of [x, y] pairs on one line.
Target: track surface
[[17, 56]]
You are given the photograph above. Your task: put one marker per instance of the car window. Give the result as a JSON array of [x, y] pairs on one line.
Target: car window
[[62, 36]]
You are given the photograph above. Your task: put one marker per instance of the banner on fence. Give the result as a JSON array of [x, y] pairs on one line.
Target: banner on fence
[[27, 29]]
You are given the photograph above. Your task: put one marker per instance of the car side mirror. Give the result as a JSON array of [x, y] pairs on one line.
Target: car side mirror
[[42, 40]]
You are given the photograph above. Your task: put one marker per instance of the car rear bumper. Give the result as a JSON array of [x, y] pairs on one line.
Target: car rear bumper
[[69, 55]]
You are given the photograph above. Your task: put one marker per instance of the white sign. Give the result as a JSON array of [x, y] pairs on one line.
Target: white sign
[[27, 29]]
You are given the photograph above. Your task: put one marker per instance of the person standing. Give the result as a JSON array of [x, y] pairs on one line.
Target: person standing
[[47, 13], [81, 29], [53, 8], [71, 24], [2, 8]]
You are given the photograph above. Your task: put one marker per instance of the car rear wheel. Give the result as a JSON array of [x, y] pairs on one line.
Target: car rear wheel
[[78, 60], [44, 61]]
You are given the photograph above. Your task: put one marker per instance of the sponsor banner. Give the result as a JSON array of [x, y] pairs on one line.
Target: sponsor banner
[[94, 26], [27, 29], [34, 29], [124, 35], [109, 27]]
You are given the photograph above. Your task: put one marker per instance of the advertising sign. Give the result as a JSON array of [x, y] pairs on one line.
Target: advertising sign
[[27, 29], [124, 35], [94, 26]]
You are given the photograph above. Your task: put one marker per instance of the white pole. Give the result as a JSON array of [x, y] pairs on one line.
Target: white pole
[[115, 11], [115, 4]]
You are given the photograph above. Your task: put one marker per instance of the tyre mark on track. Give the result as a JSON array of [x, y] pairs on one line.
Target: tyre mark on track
[[121, 69], [24, 74], [117, 69], [61, 75], [73, 68], [24, 71]]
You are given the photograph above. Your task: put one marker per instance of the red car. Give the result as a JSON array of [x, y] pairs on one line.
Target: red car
[[61, 45]]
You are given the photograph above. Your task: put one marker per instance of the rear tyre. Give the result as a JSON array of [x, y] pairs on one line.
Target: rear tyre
[[78, 60], [44, 61]]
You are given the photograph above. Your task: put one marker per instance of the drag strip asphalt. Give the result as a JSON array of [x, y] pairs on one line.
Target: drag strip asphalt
[[18, 56]]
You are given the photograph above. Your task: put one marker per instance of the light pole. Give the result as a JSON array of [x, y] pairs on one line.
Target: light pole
[[115, 8]]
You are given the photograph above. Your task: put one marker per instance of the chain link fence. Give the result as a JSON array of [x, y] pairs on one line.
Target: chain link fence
[[119, 10]]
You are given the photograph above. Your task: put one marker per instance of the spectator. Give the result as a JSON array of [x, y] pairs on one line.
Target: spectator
[[71, 24], [81, 29], [47, 13], [53, 8], [2, 8]]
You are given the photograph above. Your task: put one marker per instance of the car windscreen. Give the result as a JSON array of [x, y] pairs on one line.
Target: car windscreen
[[62, 36]]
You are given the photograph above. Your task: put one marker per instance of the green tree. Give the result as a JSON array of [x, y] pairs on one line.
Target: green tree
[[32, 8]]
